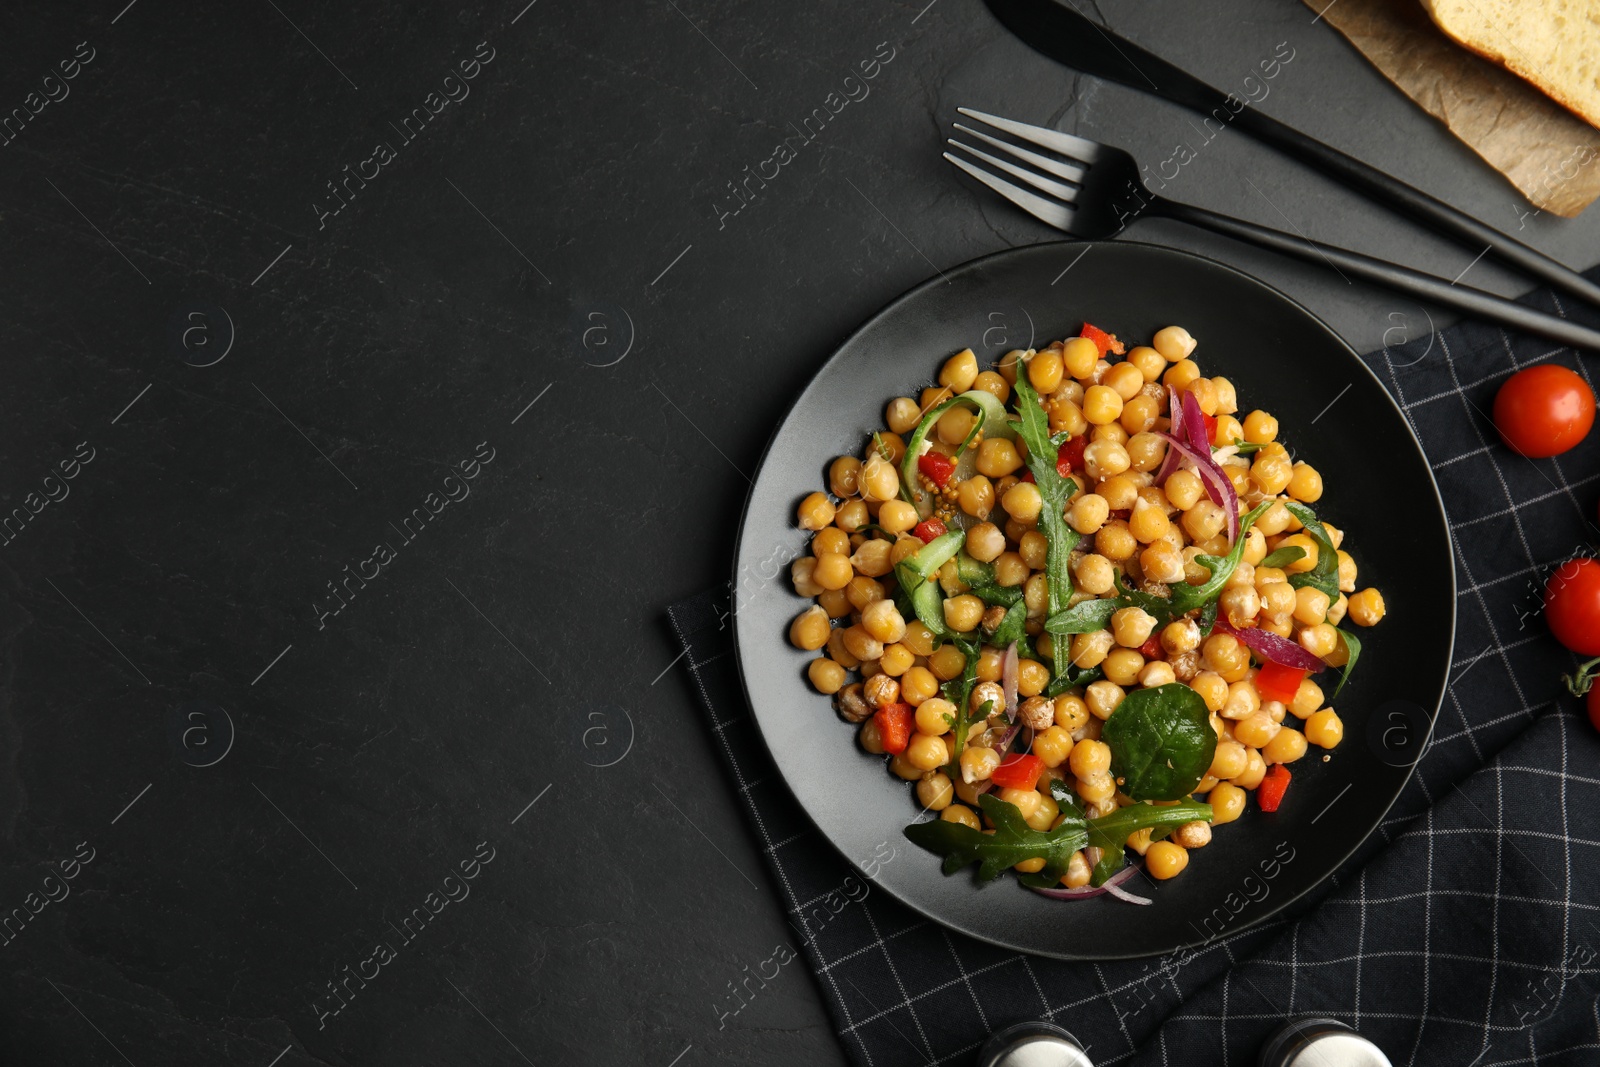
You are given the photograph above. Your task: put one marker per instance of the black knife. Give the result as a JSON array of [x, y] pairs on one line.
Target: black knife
[[1064, 34]]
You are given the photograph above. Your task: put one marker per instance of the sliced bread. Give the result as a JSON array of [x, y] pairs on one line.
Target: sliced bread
[[1555, 44]]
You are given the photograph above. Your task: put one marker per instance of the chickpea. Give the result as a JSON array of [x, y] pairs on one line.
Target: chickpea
[[954, 425], [985, 542], [1102, 405], [947, 662], [816, 511], [1045, 370], [1240, 606], [832, 571], [1157, 673], [1192, 835], [1010, 570], [1306, 562], [1286, 746], [1148, 522], [1071, 712], [1165, 859], [1310, 605], [1227, 803], [1204, 520], [1180, 374], [851, 516], [810, 629], [1066, 415], [1114, 541], [863, 646], [1105, 459], [962, 814], [1181, 635], [879, 480], [934, 792], [1366, 608], [1228, 431], [826, 676], [881, 690], [1212, 689], [927, 753], [1122, 666], [1173, 342], [1146, 451], [1102, 697], [994, 384], [1306, 484], [1023, 502], [1260, 428], [901, 416], [1124, 379], [1324, 728], [1132, 626], [929, 399], [896, 660], [830, 539], [1184, 489], [997, 457], [1224, 653], [977, 764], [959, 371], [935, 715], [1162, 563], [1096, 787], [1089, 650], [1254, 771], [801, 573], [1079, 356], [1229, 760], [1320, 640], [873, 559], [844, 476], [1243, 701], [986, 693], [870, 737], [1255, 730], [897, 516], [1088, 513], [1032, 677], [890, 445]]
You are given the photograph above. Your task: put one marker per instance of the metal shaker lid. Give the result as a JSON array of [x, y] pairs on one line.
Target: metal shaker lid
[[1033, 1044], [1320, 1043]]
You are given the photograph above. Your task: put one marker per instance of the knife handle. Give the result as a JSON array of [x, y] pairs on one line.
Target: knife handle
[[1473, 302], [1413, 202]]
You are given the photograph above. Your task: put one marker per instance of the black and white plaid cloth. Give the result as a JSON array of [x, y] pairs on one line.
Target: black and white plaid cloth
[[1466, 931]]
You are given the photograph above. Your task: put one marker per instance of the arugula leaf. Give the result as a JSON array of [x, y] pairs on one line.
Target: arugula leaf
[[1325, 575], [1157, 607], [1208, 619], [1353, 645], [1010, 628], [1186, 597], [1110, 833], [1085, 618], [997, 595], [1011, 843], [959, 693], [1076, 677], [1034, 429], [1161, 742], [1283, 556]]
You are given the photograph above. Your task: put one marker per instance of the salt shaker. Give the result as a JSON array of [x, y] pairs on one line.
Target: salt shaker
[[1033, 1044]]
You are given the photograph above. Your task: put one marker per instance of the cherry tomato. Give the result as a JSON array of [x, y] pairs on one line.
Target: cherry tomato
[[1543, 410], [928, 529], [1572, 606]]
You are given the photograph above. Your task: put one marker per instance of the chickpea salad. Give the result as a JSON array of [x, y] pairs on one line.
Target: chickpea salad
[[1079, 602]]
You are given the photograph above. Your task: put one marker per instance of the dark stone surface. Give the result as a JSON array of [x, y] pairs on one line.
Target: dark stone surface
[[243, 858]]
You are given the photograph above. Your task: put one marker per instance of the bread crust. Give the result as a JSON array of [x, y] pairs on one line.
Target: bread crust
[[1443, 13]]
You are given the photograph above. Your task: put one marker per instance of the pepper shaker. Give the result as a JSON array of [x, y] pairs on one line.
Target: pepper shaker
[[1033, 1044], [1318, 1042]]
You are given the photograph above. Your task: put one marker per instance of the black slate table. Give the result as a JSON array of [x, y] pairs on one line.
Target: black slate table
[[375, 377]]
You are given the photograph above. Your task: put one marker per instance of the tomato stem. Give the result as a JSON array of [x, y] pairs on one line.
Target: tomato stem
[[1580, 683]]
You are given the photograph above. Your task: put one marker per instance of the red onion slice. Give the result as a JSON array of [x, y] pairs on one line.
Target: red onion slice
[[1269, 646], [1194, 424], [1008, 681], [1084, 892], [1218, 487], [1170, 464]]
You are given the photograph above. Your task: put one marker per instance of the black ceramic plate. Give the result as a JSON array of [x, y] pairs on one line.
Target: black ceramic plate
[[1334, 414]]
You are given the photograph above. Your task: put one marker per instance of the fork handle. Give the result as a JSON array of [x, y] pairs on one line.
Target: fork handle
[[1474, 302]]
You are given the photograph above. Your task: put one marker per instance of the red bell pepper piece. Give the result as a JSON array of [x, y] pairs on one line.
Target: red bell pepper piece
[[1151, 649], [1018, 771], [937, 466], [1274, 681], [894, 726], [1105, 342], [928, 529], [1069, 457], [1027, 476], [1270, 791], [1211, 428]]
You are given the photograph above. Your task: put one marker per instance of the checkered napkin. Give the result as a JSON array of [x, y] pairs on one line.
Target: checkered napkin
[[1465, 932]]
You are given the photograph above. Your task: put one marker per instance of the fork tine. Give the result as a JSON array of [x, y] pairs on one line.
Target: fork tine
[[1079, 148], [1049, 212], [1044, 163], [1038, 181]]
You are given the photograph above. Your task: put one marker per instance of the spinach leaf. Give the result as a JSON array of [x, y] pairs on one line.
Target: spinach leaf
[[1283, 556], [1034, 429], [1110, 833], [1087, 617], [1186, 597], [1161, 742], [1353, 645], [1157, 607], [1325, 575], [1011, 843], [1010, 628]]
